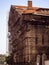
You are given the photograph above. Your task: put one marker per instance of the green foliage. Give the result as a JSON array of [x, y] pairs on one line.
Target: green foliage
[[2, 58], [9, 60]]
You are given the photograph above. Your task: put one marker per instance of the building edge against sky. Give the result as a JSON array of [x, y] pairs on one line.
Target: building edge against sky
[[29, 34], [5, 9], [7, 14]]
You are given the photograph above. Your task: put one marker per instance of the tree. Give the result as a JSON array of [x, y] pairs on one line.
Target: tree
[[9, 59]]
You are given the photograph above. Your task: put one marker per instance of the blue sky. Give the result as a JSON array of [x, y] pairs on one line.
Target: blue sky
[[4, 10]]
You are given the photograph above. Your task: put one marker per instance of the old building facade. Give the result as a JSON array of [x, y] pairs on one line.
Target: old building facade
[[28, 29]]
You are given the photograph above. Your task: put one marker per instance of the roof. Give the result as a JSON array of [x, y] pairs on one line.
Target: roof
[[26, 10]]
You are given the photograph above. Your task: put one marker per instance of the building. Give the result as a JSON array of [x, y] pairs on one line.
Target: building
[[28, 29]]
